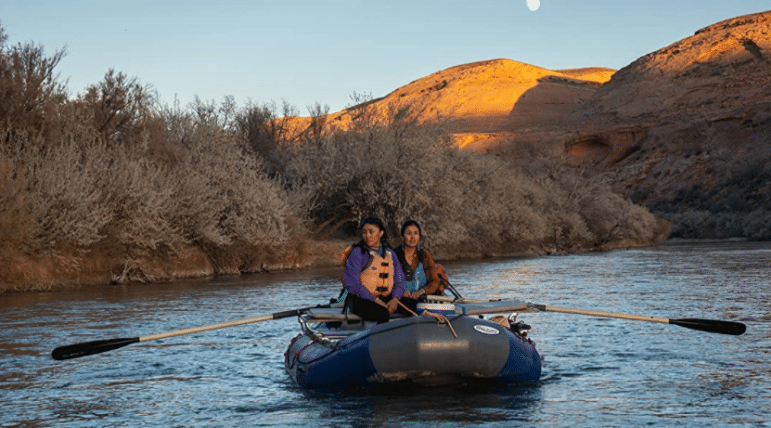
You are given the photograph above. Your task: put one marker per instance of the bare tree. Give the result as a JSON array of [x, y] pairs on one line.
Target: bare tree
[[29, 84], [264, 131], [318, 119], [117, 105]]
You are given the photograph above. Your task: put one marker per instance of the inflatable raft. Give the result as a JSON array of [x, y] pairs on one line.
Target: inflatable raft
[[338, 350]]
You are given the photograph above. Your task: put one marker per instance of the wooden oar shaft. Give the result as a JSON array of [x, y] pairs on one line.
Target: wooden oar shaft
[[544, 308], [192, 330], [205, 328]]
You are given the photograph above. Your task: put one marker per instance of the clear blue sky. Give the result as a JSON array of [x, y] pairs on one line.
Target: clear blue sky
[[306, 51]]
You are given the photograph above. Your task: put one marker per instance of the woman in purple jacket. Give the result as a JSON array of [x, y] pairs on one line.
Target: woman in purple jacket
[[373, 276]]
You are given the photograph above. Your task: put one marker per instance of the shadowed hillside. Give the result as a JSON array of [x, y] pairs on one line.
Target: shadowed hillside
[[686, 130]]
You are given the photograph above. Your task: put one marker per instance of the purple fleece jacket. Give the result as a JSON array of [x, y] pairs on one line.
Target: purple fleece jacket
[[353, 266]]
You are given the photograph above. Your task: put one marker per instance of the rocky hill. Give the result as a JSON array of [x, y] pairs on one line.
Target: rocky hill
[[685, 130]]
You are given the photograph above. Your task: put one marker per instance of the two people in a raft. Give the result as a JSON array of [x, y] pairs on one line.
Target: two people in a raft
[[381, 280]]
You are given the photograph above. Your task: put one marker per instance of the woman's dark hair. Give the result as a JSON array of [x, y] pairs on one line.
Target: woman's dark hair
[[410, 222]]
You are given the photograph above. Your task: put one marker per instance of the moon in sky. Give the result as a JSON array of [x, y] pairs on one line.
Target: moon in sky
[[533, 5]]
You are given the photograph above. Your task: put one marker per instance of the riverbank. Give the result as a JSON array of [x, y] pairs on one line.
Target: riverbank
[[24, 273]]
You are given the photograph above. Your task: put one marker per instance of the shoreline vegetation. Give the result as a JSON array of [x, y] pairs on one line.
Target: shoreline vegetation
[[111, 185]]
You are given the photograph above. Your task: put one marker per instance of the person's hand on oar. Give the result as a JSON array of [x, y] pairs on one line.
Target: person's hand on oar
[[392, 305]]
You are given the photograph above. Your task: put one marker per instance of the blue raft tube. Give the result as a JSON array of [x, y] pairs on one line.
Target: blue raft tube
[[456, 345]]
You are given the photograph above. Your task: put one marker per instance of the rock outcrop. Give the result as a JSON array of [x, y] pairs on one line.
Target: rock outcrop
[[686, 130]]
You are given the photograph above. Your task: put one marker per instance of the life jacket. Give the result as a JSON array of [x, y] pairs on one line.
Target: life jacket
[[378, 277], [344, 258]]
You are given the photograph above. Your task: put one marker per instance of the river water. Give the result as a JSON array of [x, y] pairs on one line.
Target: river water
[[597, 372]]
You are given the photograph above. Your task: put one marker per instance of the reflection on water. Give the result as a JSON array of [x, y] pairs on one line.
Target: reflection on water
[[596, 372]]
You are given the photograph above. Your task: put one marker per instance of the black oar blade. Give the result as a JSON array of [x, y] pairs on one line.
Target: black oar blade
[[712, 326], [90, 348]]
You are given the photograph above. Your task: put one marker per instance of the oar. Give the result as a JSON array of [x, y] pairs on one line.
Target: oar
[[453, 290], [446, 281], [98, 346], [712, 326]]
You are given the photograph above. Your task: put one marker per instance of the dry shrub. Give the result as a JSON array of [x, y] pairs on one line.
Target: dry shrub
[[470, 204], [359, 173], [140, 196], [85, 197], [60, 210], [757, 225], [226, 203], [16, 224], [117, 105], [481, 207], [613, 219], [263, 128], [15, 220], [66, 202]]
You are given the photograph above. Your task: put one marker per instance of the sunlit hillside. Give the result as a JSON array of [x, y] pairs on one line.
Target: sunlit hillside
[[484, 101]]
